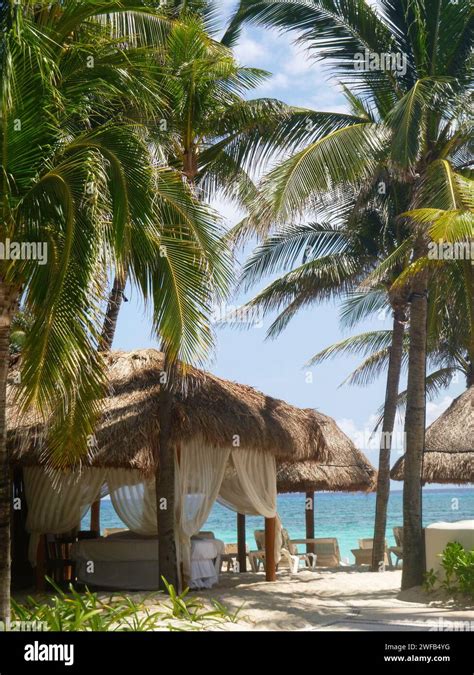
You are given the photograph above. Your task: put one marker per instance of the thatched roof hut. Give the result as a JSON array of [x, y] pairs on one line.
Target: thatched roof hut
[[352, 473], [449, 445], [347, 471], [214, 408]]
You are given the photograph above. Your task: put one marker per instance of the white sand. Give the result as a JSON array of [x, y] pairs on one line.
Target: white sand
[[336, 600], [344, 599]]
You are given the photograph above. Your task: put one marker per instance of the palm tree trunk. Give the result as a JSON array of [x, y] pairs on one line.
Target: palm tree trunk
[[469, 267], [165, 491], [415, 420], [165, 459], [7, 309], [389, 412], [111, 314], [105, 345]]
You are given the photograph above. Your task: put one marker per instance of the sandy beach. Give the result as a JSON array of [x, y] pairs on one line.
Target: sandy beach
[[342, 600]]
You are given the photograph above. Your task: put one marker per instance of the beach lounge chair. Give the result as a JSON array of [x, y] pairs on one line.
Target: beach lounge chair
[[288, 552], [113, 530], [398, 549], [363, 554], [230, 556], [326, 550]]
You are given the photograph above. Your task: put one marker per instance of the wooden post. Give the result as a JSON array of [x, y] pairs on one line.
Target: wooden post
[[95, 516], [41, 563], [241, 543], [309, 517], [270, 566]]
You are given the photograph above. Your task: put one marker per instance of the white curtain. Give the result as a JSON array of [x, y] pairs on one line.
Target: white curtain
[[133, 499], [231, 493], [249, 484], [58, 501], [198, 474], [249, 487]]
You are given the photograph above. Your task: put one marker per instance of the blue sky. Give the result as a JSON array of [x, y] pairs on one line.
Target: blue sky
[[277, 367]]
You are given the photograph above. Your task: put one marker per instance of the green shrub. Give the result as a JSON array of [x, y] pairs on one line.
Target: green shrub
[[429, 581], [74, 611], [458, 566]]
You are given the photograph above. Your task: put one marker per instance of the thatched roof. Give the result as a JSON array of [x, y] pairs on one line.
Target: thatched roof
[[213, 408], [352, 473], [449, 445], [347, 471]]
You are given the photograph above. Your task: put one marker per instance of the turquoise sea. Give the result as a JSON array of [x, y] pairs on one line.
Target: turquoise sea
[[349, 517]]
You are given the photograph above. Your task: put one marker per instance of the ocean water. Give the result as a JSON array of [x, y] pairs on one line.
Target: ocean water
[[347, 516]]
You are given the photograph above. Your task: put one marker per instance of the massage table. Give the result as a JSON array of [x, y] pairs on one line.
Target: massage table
[[128, 561]]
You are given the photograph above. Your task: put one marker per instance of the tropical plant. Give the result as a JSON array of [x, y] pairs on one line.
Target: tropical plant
[[210, 129], [86, 611], [81, 180], [458, 566], [413, 120], [21, 325], [336, 260], [192, 610], [218, 138]]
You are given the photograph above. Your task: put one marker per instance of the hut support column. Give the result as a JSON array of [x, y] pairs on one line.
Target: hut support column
[[241, 545], [270, 566], [309, 518], [95, 516]]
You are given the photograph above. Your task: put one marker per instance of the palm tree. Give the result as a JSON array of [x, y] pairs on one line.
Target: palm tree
[[336, 259], [216, 137], [448, 348], [416, 123], [210, 130], [81, 177]]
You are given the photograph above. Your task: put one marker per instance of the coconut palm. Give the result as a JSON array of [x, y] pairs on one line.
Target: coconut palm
[[336, 260], [80, 176], [215, 136], [449, 342], [211, 130], [416, 122]]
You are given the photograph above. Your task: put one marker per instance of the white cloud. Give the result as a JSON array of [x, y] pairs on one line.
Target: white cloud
[[228, 211], [298, 62], [435, 408], [367, 441], [362, 437], [248, 51], [277, 81], [296, 77]]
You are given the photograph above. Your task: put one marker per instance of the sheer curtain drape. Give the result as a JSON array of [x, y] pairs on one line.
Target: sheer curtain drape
[[249, 487], [244, 480], [249, 484], [57, 502], [134, 500], [198, 475]]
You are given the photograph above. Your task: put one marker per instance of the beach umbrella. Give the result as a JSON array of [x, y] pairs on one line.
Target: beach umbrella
[[449, 445]]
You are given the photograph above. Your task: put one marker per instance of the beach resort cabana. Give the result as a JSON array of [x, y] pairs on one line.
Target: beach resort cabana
[[347, 471], [227, 439], [449, 445]]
